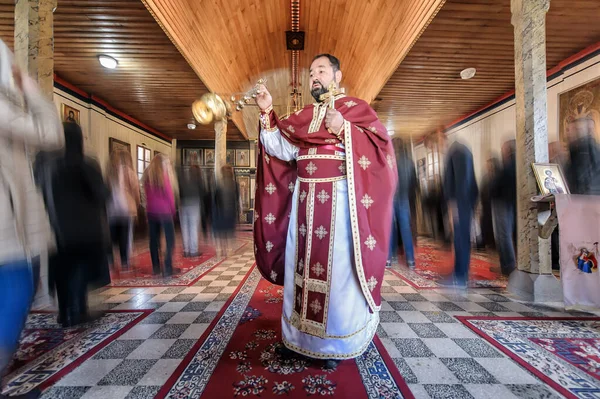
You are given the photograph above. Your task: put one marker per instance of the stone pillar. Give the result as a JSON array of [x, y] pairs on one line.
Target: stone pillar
[[34, 40], [173, 153], [533, 280], [220, 146], [34, 54]]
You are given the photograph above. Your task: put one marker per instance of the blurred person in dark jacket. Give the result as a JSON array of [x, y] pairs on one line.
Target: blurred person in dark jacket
[[504, 208], [123, 204], [487, 225], [76, 198], [190, 200], [29, 123], [403, 198], [461, 192], [583, 169], [226, 209]]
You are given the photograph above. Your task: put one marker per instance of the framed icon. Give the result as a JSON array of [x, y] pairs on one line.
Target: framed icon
[[242, 158], [70, 114], [209, 157], [550, 178], [231, 157], [192, 156], [114, 145]]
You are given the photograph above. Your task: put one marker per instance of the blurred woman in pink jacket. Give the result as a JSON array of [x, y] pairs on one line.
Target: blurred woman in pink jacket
[[158, 185]]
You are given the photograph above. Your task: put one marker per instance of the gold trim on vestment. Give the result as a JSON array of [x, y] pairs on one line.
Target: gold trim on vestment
[[327, 336], [310, 213], [322, 156], [319, 355], [354, 220], [319, 113], [317, 286], [323, 180]]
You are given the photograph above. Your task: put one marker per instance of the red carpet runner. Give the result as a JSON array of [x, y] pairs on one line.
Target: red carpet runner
[[433, 262], [237, 358]]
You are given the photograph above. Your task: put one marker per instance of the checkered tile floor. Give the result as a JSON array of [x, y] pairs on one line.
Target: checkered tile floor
[[437, 355]]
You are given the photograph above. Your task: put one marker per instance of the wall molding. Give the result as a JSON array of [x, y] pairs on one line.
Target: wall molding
[[92, 100], [551, 74]]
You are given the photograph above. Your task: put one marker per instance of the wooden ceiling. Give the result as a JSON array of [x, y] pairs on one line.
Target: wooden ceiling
[[225, 46], [426, 91], [153, 82], [230, 44]]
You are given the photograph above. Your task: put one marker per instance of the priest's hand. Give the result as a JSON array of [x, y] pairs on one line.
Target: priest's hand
[[334, 120], [263, 98]]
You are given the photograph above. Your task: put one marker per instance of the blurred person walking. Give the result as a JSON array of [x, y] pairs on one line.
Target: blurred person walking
[[226, 210], [160, 194], [123, 204], [404, 196], [190, 198], [504, 209], [25, 232], [76, 198], [461, 192]]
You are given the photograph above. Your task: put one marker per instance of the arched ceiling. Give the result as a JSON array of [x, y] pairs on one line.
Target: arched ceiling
[[231, 44]]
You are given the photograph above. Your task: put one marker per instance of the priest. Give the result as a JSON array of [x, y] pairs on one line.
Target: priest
[[326, 175]]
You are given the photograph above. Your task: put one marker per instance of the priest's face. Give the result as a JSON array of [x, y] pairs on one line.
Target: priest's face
[[321, 75]]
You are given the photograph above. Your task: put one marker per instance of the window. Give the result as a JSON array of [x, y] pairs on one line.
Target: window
[[144, 155], [429, 167]]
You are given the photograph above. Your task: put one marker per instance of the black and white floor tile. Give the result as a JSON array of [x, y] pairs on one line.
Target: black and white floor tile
[[437, 355]]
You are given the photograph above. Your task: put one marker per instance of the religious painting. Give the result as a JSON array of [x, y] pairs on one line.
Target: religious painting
[[70, 114], [192, 156], [242, 157], [550, 179], [580, 109], [114, 145], [231, 157], [244, 185], [209, 157]]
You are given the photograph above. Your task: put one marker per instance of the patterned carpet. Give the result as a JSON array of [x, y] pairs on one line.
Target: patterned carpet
[[433, 263], [563, 352], [139, 355], [48, 352], [192, 269], [237, 357]]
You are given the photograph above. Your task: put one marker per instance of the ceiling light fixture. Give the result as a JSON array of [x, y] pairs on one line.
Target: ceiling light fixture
[[191, 126], [468, 73], [107, 61]]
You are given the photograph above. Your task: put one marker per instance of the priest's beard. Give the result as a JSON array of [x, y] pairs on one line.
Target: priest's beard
[[317, 92]]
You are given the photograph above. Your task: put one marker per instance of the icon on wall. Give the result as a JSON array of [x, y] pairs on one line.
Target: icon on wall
[[70, 114], [231, 157], [118, 145], [242, 158], [209, 154], [192, 156]]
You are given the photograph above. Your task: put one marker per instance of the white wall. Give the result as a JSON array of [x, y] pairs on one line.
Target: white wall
[[486, 133], [98, 126]]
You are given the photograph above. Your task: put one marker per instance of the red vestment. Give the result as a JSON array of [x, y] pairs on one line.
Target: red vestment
[[370, 170]]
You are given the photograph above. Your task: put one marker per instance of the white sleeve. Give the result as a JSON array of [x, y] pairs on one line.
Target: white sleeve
[[278, 147]]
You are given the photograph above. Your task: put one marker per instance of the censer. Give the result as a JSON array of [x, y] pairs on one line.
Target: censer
[[211, 106]]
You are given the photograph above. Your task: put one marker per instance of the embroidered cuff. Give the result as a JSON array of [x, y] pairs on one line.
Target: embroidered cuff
[[268, 120]]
